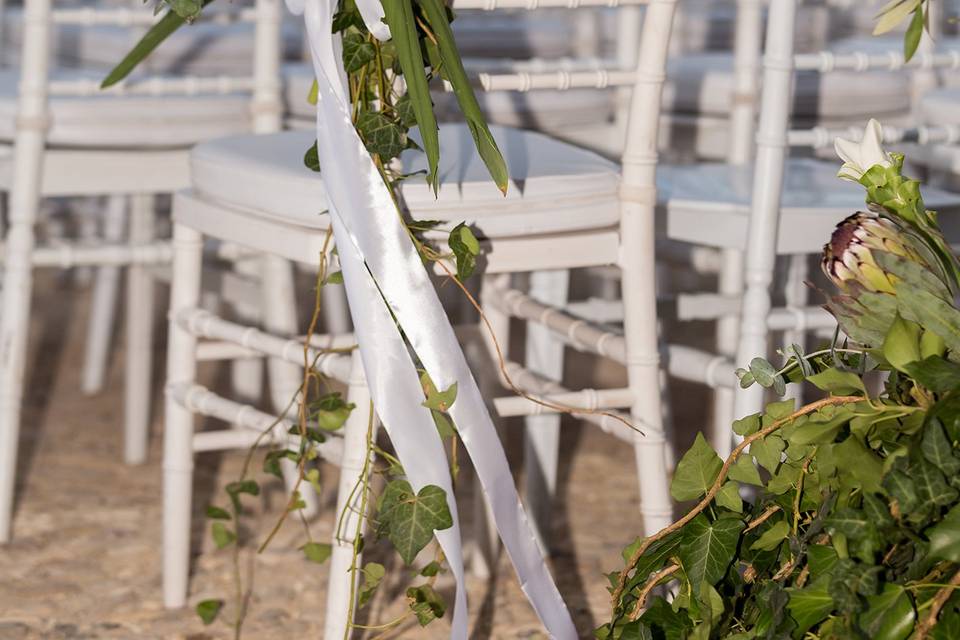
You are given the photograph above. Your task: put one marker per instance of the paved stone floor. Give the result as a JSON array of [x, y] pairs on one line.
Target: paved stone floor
[[85, 558]]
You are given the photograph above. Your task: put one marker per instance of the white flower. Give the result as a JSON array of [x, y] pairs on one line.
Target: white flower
[[859, 157]]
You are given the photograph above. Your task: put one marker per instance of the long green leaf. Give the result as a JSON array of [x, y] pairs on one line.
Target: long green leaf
[[150, 41], [403, 31], [436, 15]]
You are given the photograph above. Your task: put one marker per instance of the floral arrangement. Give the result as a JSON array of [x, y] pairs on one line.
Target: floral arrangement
[[855, 529]]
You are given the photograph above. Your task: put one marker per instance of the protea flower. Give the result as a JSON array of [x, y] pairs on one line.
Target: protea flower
[[868, 258], [849, 257]]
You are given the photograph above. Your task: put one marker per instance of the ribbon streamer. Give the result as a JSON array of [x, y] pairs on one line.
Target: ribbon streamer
[[385, 279]]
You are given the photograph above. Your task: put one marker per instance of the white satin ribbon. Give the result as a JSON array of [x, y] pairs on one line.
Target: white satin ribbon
[[380, 263]]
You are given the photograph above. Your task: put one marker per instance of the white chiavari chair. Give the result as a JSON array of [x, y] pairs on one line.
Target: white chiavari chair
[[781, 206], [72, 139], [566, 208]]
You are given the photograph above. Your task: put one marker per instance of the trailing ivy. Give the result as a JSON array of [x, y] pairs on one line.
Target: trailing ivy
[[854, 527]]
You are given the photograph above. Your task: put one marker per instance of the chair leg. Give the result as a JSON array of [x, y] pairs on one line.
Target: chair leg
[[349, 505], [139, 351], [247, 375], [730, 283], [336, 313], [541, 438], [178, 431], [754, 330], [14, 318], [103, 307], [280, 318], [797, 295], [643, 371], [486, 538]]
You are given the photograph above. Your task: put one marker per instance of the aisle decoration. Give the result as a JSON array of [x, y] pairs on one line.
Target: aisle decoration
[[361, 129], [855, 531]]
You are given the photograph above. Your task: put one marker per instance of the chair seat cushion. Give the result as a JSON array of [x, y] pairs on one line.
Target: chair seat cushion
[[124, 121], [941, 106], [703, 84], [710, 203], [554, 186], [202, 48], [515, 34]]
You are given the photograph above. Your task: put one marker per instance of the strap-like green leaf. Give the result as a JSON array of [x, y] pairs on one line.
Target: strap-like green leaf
[[436, 15], [150, 41], [403, 30]]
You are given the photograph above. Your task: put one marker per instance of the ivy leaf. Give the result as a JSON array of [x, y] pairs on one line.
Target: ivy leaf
[[311, 159], [889, 615], [373, 573], [877, 510], [850, 522], [729, 497], [944, 537], [437, 400], [821, 559], [708, 548], [217, 513], [330, 411], [840, 383], [936, 374], [465, 248], [222, 536], [932, 488], [426, 604], [860, 466], [747, 426], [405, 112], [409, 520], [357, 51], [743, 470], [665, 622], [937, 449], [902, 488], [381, 135], [767, 452], [772, 537], [317, 551], [810, 605], [208, 610], [696, 472]]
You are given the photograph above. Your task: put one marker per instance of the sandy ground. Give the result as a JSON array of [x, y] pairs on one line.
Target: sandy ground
[[85, 561]]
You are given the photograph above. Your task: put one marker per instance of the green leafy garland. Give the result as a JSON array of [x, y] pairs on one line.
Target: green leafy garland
[[389, 90]]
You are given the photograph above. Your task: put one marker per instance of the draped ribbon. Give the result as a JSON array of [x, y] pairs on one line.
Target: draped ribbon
[[387, 284]]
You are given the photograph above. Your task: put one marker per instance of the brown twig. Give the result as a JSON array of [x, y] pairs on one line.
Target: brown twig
[[649, 586], [707, 499], [762, 518], [939, 600], [502, 364]]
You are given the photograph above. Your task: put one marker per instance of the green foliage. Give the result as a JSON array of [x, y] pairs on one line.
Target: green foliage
[[855, 522], [409, 519], [426, 604], [317, 552], [208, 610]]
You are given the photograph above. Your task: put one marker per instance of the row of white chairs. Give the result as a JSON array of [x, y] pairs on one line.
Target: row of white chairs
[[575, 209]]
